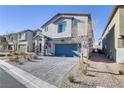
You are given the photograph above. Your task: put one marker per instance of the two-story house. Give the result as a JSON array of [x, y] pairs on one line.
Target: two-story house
[[67, 31], [12, 41], [20, 41], [25, 41], [38, 41], [113, 35]]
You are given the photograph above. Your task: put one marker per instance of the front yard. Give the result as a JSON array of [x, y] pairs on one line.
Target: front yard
[[100, 73], [64, 71]]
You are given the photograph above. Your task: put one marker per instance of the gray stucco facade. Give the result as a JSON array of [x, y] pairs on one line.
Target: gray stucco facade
[[77, 27], [113, 36]]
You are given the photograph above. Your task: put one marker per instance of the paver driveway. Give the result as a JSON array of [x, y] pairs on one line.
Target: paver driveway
[[50, 69]]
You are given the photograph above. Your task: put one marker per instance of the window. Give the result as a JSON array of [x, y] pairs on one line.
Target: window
[[75, 25], [75, 22], [123, 43], [46, 28], [62, 27], [23, 36]]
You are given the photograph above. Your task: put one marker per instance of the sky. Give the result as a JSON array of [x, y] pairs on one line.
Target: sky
[[18, 18]]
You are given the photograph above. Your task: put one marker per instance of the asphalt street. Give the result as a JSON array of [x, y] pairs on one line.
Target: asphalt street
[[7, 81]]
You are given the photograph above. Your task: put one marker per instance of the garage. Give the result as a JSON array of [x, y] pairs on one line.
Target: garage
[[67, 50]]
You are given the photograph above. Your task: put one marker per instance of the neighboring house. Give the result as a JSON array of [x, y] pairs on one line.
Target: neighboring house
[[100, 44], [66, 34], [40, 42], [20, 41], [2, 43], [67, 31], [12, 41], [113, 36], [37, 41], [25, 41]]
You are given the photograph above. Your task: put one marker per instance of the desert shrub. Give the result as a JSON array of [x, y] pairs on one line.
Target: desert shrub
[[71, 78], [10, 54], [34, 56], [23, 53], [14, 59], [15, 53], [21, 63], [11, 59], [28, 57], [2, 55], [83, 67], [121, 72]]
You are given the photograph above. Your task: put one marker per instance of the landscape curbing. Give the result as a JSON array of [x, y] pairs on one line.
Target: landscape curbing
[[24, 77]]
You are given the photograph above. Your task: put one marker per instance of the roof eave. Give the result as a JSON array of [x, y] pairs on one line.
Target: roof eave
[[78, 14], [110, 18]]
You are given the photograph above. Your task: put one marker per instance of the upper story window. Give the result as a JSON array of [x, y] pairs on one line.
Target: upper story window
[[46, 28], [75, 22], [62, 27], [75, 25], [122, 41], [22, 36]]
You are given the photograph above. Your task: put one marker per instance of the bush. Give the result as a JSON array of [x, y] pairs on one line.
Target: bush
[[21, 63], [121, 72], [9, 54], [14, 59], [71, 78], [23, 53], [2, 55], [34, 57], [83, 67]]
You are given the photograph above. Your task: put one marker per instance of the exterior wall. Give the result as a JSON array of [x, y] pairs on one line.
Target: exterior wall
[[121, 26], [12, 40], [3, 44], [90, 35], [30, 41], [109, 44], [121, 20], [112, 39], [27, 43], [82, 25], [53, 28], [120, 55]]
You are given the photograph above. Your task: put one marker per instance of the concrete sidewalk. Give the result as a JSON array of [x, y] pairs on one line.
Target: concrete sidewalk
[[23, 77]]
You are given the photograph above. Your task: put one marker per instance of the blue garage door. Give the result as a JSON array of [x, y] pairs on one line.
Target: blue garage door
[[68, 50]]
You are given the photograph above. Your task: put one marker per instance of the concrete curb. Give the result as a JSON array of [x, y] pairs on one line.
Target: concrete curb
[[24, 77]]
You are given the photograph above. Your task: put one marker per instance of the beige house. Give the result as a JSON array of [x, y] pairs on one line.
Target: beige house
[[113, 36]]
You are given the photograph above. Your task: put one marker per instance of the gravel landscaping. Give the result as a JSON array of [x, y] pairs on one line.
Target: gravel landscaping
[[101, 73]]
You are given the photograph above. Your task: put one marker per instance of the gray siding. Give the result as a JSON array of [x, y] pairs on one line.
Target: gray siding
[[29, 41], [109, 44]]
